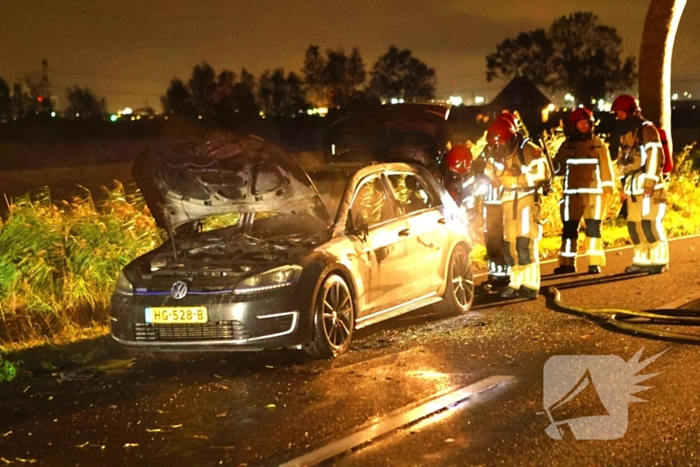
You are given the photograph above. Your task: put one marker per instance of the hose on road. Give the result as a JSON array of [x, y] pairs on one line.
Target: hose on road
[[630, 321]]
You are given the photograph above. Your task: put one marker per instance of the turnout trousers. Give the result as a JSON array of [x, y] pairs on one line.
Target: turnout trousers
[[645, 226], [493, 240], [573, 208], [523, 230]]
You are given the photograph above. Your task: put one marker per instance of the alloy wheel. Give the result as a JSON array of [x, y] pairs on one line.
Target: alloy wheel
[[338, 313], [462, 280]]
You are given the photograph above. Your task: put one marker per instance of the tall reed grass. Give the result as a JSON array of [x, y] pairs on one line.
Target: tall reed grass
[[59, 260]]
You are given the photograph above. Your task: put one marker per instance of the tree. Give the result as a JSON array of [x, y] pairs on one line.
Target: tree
[[22, 102], [398, 74], [203, 89], [334, 80], [84, 103], [655, 54], [178, 99], [527, 55], [279, 94], [208, 94], [5, 101], [314, 78], [576, 54], [244, 94]]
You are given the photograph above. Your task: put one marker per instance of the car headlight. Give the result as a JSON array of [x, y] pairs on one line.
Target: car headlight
[[123, 286], [273, 279]]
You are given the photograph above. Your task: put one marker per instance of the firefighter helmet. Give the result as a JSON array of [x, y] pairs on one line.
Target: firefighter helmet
[[509, 117], [500, 133], [459, 159], [626, 103], [581, 113]]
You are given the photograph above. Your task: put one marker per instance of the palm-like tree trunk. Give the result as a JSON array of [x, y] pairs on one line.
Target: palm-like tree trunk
[[659, 34]]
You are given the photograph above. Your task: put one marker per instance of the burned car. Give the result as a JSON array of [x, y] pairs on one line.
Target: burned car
[[254, 260]]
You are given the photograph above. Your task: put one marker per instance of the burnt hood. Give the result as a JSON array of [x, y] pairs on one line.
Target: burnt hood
[[185, 181]]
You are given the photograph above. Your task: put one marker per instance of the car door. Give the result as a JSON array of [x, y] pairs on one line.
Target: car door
[[418, 203], [381, 245]]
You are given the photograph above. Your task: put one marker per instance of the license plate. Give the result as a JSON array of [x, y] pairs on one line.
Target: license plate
[[177, 314]]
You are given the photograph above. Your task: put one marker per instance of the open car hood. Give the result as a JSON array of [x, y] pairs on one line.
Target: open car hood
[[186, 181]]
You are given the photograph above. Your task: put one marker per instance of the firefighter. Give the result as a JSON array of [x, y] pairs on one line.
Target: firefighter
[[518, 168], [479, 185], [584, 161], [458, 162], [640, 163]]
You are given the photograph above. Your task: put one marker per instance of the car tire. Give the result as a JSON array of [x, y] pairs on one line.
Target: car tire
[[333, 319], [459, 290]]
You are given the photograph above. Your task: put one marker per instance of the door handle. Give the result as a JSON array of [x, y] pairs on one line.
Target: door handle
[[442, 221], [404, 232]]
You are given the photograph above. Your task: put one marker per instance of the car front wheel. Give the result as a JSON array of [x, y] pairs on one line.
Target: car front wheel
[[334, 319], [459, 290]]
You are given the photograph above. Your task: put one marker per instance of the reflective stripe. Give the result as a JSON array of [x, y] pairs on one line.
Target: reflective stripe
[[659, 222], [598, 207], [610, 183], [566, 208], [568, 252], [582, 161], [573, 191], [646, 206], [525, 221]]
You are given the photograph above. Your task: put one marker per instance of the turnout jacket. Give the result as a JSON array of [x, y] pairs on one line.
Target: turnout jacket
[[521, 173], [586, 166], [640, 159]]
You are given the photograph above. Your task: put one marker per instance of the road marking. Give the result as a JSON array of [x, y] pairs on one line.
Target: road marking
[[681, 301], [404, 416]]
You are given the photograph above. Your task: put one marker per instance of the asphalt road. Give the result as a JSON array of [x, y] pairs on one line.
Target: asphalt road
[[267, 408]]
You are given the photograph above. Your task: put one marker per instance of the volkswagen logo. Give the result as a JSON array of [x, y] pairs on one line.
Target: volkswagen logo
[[178, 290]]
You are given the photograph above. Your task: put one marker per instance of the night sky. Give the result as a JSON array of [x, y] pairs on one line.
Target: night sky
[[128, 50]]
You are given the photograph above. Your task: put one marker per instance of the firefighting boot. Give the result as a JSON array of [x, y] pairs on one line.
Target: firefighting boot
[[636, 269], [564, 269], [508, 292], [526, 292], [594, 270], [658, 269]]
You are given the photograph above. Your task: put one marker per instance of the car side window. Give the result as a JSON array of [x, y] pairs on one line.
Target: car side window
[[372, 204], [411, 193]]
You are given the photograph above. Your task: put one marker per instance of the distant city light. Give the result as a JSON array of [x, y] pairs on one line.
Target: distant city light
[[551, 107], [394, 100], [320, 111], [569, 98], [53, 114], [127, 111], [674, 96], [479, 99], [455, 100], [113, 118]]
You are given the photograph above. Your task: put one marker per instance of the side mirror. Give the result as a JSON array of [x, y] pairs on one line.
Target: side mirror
[[356, 225]]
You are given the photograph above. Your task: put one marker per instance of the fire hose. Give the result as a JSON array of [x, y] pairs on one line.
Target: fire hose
[[619, 319]]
